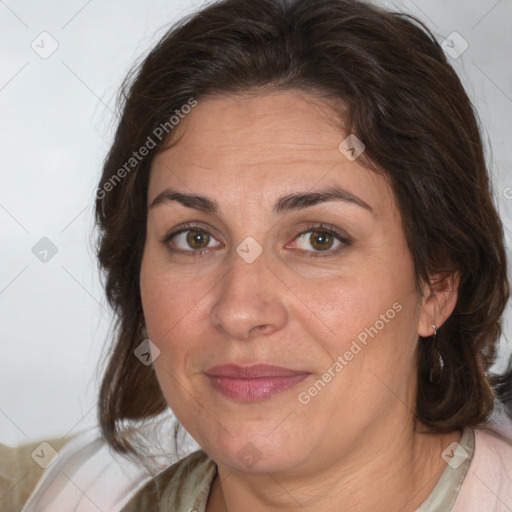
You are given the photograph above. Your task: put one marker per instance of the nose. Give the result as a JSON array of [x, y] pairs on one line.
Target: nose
[[250, 300]]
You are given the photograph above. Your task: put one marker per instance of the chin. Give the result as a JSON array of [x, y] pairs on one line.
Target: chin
[[256, 453]]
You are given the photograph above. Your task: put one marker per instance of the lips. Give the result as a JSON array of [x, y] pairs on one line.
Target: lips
[[253, 383], [248, 372]]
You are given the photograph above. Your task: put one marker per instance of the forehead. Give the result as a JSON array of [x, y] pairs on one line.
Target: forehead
[[258, 124], [247, 147]]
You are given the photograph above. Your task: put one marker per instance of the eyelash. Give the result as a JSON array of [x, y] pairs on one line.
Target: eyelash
[[345, 241]]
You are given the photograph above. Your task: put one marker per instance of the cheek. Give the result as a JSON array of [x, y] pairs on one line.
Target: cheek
[[370, 315], [352, 303], [174, 306]]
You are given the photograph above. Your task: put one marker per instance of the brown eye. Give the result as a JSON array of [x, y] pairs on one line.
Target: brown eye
[[190, 239], [321, 240], [197, 239]]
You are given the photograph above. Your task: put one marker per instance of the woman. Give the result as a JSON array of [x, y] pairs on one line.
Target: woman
[[300, 243]]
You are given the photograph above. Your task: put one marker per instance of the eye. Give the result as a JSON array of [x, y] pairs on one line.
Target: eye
[[322, 239], [195, 240], [192, 239]]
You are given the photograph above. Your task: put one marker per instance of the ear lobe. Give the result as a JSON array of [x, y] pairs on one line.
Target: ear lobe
[[439, 300]]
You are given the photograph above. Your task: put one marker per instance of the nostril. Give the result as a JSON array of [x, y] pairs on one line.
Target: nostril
[[260, 329]]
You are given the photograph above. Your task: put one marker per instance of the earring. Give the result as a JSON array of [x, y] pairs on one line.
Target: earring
[[144, 332], [441, 362]]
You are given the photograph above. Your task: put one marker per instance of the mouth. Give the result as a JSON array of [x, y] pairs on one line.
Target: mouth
[[253, 383]]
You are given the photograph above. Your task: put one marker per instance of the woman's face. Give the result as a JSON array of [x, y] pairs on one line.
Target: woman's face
[[322, 286]]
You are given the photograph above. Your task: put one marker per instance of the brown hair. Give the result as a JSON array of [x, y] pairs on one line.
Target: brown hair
[[402, 99]]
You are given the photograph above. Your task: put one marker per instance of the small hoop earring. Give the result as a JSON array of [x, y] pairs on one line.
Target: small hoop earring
[[441, 361]]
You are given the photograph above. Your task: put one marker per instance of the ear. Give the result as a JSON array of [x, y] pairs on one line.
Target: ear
[[438, 302]]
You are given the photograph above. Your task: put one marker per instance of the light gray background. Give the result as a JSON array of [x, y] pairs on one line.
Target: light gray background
[[56, 125]]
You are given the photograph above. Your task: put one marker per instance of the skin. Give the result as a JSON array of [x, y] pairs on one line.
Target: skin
[[356, 445]]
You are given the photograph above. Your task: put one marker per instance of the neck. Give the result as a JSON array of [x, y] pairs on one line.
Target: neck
[[393, 472]]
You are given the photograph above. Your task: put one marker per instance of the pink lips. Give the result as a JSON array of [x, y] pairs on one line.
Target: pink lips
[[253, 383]]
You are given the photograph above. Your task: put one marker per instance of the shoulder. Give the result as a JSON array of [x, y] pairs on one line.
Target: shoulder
[[84, 472], [488, 483], [21, 467], [183, 486]]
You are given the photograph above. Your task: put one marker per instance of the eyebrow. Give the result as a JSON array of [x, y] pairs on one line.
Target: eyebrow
[[297, 201]]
